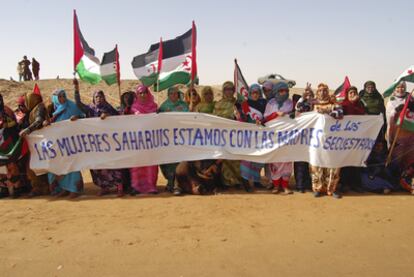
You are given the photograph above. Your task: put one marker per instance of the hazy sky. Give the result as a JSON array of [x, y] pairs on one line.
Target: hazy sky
[[303, 40]]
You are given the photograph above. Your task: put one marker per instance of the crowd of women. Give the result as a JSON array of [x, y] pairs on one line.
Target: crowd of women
[[265, 102]]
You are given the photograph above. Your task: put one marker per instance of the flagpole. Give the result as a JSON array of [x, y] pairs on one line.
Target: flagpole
[[193, 59], [159, 68], [118, 74], [394, 142]]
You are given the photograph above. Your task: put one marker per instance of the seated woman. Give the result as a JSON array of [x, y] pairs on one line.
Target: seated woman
[[376, 177], [144, 178], [407, 178], [72, 183], [106, 179], [197, 177], [207, 101], [174, 103]]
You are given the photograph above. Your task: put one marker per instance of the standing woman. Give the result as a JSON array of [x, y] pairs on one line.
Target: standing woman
[[192, 98], [324, 179], [13, 151], [374, 104], [403, 153], [207, 101], [106, 179], [252, 111], [34, 115], [352, 105], [70, 184], [301, 169], [174, 103], [144, 178], [230, 170], [397, 99], [280, 106]]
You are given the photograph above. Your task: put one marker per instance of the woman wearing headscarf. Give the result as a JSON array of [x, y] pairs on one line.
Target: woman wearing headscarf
[[352, 105], [34, 115], [403, 151], [106, 179], [280, 105], [374, 104], [127, 99], [226, 108], [301, 169], [325, 180], [70, 184], [198, 177], [174, 103], [144, 178], [252, 111], [396, 100], [207, 101], [13, 150], [192, 98]]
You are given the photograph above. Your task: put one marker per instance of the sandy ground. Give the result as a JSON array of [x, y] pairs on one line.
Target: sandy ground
[[233, 234]]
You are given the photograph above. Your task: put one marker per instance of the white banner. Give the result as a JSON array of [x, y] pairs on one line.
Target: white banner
[[130, 141]]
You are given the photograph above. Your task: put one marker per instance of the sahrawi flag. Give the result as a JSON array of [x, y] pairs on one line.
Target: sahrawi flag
[[407, 75], [242, 88], [110, 72], [147, 66], [178, 59], [406, 116], [86, 64], [340, 92]]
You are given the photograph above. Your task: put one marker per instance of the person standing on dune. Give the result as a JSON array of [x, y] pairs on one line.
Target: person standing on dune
[[35, 69]]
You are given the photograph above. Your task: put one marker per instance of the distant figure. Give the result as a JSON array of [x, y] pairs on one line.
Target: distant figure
[[20, 70], [27, 74], [35, 69], [57, 77]]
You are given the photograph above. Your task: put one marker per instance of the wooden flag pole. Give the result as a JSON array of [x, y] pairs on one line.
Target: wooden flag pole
[[394, 142]]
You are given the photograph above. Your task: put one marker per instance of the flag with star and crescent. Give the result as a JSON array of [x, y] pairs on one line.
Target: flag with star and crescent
[[407, 75], [177, 62]]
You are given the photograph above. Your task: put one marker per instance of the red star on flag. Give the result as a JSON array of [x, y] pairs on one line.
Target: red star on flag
[[410, 71]]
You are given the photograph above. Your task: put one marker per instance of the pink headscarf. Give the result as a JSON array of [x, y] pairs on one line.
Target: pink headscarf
[[139, 106]]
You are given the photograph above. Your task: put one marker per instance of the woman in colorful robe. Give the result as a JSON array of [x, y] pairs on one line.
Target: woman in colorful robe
[[252, 111], [72, 183], [207, 101], [226, 108], [106, 179], [325, 180], [280, 105], [144, 178], [34, 115]]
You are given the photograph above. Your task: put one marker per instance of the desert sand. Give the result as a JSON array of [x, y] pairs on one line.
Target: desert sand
[[230, 234]]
